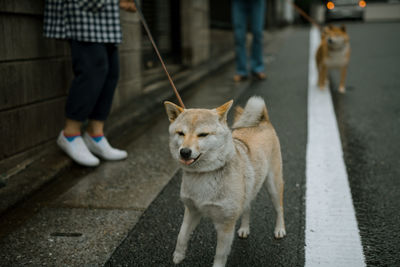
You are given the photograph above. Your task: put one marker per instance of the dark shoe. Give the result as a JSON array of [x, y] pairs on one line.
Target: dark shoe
[[260, 75], [239, 78]]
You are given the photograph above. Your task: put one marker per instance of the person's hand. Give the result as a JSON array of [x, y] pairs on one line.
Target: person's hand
[[127, 5]]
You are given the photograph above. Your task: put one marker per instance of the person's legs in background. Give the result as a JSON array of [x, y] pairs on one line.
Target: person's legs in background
[[240, 10], [257, 10], [90, 66], [94, 138], [102, 108], [96, 71]]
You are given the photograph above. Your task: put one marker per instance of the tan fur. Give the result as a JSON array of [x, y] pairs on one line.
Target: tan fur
[[238, 112], [228, 171], [333, 52]]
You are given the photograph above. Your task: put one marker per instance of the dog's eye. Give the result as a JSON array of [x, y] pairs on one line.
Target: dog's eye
[[180, 133], [202, 134]]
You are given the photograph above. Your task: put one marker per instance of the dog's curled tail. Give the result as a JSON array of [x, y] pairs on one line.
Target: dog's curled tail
[[254, 112]]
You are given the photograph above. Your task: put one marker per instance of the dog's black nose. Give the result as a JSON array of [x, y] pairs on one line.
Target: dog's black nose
[[185, 153], [330, 40]]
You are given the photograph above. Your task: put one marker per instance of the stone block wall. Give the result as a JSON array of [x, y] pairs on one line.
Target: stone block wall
[[195, 31], [130, 81]]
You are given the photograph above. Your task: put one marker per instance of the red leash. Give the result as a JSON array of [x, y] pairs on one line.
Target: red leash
[[305, 15]]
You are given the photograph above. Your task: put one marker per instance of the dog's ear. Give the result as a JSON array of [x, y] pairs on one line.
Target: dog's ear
[[172, 110], [223, 110], [343, 28], [327, 28]]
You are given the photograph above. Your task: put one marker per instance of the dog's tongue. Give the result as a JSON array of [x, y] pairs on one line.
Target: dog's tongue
[[187, 162]]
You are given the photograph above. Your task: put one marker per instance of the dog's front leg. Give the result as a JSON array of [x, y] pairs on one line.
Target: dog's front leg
[[225, 234], [244, 229], [322, 76], [342, 88], [190, 220]]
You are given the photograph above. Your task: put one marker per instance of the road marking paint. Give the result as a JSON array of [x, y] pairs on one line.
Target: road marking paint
[[331, 234]]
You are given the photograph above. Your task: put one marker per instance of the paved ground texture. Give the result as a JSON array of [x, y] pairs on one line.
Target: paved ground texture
[[129, 213]]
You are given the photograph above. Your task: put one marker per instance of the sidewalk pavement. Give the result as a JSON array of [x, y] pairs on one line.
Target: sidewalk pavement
[[84, 224]]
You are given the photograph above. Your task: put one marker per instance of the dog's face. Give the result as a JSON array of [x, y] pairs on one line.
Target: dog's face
[[336, 37], [198, 137]]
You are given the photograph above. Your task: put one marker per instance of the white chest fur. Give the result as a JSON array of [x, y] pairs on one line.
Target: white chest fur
[[214, 194], [337, 58]]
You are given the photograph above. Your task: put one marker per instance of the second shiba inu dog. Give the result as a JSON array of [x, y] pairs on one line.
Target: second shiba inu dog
[[223, 170], [333, 52]]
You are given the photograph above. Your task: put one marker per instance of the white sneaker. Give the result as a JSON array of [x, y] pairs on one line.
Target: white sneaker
[[77, 150], [103, 149]]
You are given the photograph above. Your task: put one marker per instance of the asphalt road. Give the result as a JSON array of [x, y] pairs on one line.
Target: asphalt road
[[369, 122]]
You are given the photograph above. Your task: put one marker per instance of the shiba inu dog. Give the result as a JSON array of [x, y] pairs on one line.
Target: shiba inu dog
[[223, 170], [333, 52]]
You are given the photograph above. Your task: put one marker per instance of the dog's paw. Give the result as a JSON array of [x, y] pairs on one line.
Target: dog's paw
[[243, 232], [279, 233], [342, 89], [178, 257]]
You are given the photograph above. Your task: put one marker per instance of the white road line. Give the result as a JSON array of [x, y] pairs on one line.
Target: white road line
[[332, 235]]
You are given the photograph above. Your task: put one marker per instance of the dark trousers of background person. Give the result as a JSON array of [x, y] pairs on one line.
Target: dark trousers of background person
[[96, 70], [242, 12]]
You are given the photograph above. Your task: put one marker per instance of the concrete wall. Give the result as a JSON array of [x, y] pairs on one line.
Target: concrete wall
[[130, 81], [195, 31], [35, 74], [34, 78]]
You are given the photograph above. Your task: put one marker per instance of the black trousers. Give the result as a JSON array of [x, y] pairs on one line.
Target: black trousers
[[96, 70]]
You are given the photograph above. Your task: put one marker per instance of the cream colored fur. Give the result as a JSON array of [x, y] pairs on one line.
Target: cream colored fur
[[225, 170], [333, 53]]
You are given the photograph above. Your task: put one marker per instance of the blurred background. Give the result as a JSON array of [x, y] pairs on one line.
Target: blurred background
[[55, 212]]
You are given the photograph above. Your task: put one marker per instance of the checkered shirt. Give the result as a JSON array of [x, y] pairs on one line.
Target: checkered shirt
[[83, 20]]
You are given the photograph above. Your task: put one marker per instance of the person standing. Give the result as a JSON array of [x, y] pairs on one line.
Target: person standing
[[93, 30], [254, 11]]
